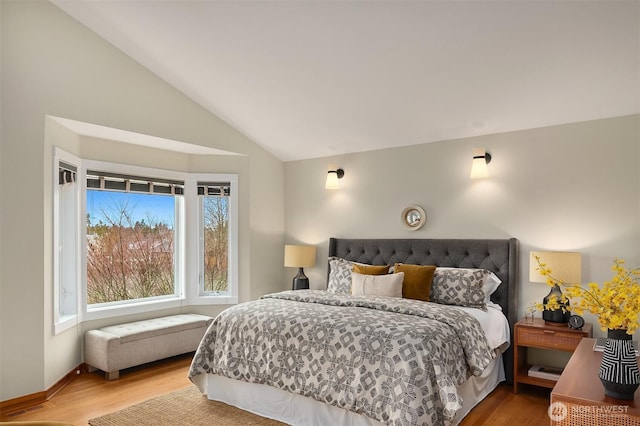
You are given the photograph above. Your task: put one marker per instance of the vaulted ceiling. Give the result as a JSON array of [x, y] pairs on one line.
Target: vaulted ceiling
[[308, 79]]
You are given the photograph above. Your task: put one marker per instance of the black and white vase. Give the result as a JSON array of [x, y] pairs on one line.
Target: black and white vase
[[619, 367]]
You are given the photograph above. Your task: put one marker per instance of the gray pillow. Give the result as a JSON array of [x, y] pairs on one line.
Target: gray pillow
[[339, 276], [463, 287]]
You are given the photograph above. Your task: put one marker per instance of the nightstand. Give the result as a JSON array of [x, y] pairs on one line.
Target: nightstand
[[578, 398], [542, 336]]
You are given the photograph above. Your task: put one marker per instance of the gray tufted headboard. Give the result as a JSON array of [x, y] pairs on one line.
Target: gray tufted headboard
[[498, 256]]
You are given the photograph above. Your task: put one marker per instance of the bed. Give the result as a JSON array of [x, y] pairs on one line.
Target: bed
[[311, 357]]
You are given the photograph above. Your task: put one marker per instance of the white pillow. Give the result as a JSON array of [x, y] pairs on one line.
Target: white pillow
[[377, 285]]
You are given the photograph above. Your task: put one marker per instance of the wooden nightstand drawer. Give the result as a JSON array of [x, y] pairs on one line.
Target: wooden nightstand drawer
[[560, 339]]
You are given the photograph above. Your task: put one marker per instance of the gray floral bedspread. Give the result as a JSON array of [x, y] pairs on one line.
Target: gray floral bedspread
[[395, 360]]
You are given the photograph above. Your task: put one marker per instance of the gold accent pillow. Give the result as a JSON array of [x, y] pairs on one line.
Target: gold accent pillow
[[360, 268], [417, 280]]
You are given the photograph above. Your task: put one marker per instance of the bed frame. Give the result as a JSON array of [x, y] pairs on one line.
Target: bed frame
[[497, 256]]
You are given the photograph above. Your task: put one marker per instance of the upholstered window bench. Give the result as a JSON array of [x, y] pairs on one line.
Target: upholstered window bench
[[117, 347]]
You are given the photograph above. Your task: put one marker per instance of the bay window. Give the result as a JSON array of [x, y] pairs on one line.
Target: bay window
[[148, 239]]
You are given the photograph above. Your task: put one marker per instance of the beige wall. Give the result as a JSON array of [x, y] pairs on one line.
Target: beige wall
[[51, 65], [569, 187]]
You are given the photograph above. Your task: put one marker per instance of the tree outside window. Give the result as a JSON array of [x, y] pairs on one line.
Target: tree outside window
[[216, 242], [130, 252]]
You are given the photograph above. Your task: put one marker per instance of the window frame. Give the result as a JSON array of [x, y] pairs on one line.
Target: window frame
[[133, 306], [62, 320], [195, 260], [187, 265]]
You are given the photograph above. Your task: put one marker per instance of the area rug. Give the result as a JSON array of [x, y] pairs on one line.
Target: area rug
[[184, 407]]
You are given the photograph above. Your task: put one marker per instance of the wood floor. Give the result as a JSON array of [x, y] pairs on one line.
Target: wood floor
[[91, 396]]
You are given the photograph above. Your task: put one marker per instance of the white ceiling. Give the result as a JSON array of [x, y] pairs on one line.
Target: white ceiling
[[308, 79]]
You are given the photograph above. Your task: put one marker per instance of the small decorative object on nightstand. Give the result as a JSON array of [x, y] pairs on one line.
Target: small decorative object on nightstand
[[576, 322], [540, 335], [299, 257], [530, 313]]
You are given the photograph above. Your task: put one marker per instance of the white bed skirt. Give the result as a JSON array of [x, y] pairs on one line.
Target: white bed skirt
[[298, 410]]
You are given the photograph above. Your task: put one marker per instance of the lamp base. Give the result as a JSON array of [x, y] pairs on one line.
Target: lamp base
[[300, 281], [558, 317]]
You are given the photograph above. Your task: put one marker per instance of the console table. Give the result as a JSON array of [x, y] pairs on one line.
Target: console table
[[578, 398]]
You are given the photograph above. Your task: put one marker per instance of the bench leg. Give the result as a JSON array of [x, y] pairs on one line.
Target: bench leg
[[112, 375]]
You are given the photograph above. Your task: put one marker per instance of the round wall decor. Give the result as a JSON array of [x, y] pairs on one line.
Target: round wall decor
[[413, 217]]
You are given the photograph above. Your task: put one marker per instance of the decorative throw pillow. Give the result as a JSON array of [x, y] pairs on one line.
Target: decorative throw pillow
[[339, 275], [491, 281], [417, 280], [463, 287], [361, 268], [389, 285]]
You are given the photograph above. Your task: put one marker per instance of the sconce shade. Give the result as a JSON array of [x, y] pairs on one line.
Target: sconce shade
[[565, 266], [479, 165], [299, 256], [333, 177]]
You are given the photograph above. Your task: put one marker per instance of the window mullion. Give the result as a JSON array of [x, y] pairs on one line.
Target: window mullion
[[191, 249]]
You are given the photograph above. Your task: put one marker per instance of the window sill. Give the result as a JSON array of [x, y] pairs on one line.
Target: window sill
[[65, 323], [214, 300], [132, 308], [113, 311]]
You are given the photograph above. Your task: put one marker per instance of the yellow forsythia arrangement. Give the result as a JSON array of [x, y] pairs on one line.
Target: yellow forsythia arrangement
[[616, 304]]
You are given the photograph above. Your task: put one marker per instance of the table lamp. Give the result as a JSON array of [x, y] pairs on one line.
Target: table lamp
[[299, 257], [565, 267]]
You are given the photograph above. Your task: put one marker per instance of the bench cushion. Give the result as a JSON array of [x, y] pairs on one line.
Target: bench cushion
[[146, 329]]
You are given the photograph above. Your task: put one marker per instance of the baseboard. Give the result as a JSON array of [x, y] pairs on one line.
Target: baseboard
[[68, 378], [21, 403], [24, 402]]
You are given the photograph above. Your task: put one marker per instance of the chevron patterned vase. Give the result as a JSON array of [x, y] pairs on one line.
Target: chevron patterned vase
[[619, 367]]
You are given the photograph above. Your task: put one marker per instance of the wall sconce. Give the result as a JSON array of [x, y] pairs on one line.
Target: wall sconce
[[299, 257], [332, 179], [479, 166]]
